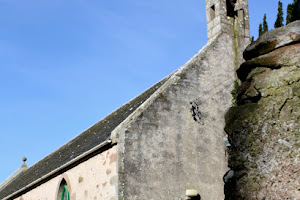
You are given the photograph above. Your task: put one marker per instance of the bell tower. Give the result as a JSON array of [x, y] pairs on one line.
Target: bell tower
[[227, 16]]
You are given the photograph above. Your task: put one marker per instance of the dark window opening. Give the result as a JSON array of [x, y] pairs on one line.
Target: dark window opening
[[63, 192], [230, 8], [212, 12]]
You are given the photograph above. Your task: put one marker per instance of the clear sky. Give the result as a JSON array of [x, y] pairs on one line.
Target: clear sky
[[66, 64]]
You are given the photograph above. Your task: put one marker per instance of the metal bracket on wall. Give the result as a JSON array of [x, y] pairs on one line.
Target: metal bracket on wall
[[197, 115]]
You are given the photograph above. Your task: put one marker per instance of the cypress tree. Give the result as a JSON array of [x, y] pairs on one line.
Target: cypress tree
[[260, 30], [291, 12], [297, 9], [279, 20], [265, 24]]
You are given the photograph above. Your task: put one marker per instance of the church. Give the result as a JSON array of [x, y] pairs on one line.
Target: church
[[167, 143]]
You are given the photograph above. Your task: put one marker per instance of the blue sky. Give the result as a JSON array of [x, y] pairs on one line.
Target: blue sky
[[67, 64]]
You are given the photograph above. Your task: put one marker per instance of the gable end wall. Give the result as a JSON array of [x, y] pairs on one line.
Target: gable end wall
[[163, 151]]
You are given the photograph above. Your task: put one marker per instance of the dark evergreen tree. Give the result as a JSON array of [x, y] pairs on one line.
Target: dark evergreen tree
[[279, 20], [252, 39], [297, 10], [291, 12], [260, 30], [265, 24]]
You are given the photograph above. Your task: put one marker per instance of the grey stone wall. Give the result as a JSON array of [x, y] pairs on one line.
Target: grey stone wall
[[163, 148]]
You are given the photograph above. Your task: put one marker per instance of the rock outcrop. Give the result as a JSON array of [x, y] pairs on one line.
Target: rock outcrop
[[264, 128], [274, 39]]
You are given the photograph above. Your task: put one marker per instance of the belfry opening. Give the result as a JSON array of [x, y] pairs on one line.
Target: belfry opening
[[230, 4]]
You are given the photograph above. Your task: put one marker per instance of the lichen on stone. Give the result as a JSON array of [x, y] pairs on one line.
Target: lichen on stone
[[264, 129]]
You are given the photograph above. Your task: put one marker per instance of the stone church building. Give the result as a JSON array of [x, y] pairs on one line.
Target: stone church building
[[167, 143]]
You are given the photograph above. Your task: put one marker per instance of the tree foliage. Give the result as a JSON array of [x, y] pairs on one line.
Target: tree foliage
[[263, 27], [260, 30], [291, 12], [279, 19], [265, 24]]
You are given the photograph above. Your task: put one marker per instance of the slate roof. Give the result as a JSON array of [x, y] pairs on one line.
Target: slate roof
[[90, 138]]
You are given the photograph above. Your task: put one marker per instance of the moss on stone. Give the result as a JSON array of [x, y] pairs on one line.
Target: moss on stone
[[265, 134]]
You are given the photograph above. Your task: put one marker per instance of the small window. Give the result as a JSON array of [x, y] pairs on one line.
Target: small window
[[63, 192], [212, 12]]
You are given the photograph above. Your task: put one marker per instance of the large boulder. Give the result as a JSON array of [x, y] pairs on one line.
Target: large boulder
[[263, 127], [274, 39], [264, 135], [285, 56]]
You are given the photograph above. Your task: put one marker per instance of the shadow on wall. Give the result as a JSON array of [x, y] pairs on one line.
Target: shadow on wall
[[198, 197]]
